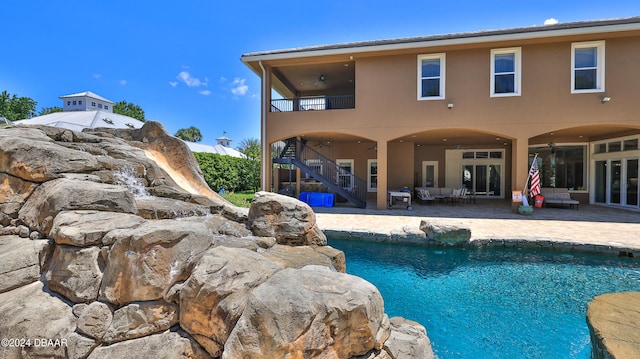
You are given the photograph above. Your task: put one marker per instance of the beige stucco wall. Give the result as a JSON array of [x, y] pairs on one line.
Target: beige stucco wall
[[387, 106]]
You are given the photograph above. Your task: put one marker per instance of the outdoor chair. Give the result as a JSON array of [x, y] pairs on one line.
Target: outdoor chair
[[424, 196]]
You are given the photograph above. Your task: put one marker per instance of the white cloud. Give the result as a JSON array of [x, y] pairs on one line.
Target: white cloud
[[205, 92], [191, 81], [97, 76], [550, 21], [122, 82], [239, 88], [173, 83]]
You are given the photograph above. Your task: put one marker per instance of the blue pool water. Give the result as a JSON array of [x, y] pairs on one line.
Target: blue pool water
[[492, 303]]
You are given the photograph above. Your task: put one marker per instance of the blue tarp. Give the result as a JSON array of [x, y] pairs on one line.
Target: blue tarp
[[317, 199]]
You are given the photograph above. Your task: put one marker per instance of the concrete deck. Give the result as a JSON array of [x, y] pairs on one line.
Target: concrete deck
[[591, 228]]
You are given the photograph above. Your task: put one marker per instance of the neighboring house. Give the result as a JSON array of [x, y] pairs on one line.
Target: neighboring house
[[466, 109], [86, 101], [84, 110]]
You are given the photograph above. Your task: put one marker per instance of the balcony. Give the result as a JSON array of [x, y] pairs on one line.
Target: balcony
[[313, 103]]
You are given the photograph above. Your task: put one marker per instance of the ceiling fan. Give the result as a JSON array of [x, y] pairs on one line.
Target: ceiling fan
[[321, 81], [322, 143]]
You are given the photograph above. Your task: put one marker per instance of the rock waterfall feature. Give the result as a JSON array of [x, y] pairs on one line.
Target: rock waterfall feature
[[113, 246]]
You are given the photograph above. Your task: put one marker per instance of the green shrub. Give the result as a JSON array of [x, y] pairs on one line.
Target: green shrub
[[231, 173]]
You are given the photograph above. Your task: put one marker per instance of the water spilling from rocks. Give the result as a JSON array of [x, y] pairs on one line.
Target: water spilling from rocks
[[126, 177]]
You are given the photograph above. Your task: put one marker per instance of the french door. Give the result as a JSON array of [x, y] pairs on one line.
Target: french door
[[616, 182], [484, 180]]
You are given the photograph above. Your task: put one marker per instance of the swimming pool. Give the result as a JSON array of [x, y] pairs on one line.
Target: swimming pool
[[492, 303]]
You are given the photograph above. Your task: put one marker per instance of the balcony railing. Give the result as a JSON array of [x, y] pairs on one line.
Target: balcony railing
[[314, 103]]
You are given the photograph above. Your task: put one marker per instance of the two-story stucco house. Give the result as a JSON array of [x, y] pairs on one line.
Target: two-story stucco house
[[465, 109]]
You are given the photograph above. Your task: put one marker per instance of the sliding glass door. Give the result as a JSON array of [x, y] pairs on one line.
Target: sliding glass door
[[484, 180], [632, 182]]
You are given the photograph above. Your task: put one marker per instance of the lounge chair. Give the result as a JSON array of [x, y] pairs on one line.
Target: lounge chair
[[559, 196], [423, 195]]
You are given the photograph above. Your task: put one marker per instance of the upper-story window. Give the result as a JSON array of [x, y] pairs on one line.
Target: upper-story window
[[80, 102], [431, 76], [106, 107], [99, 105], [93, 104], [587, 62], [74, 103], [505, 72]]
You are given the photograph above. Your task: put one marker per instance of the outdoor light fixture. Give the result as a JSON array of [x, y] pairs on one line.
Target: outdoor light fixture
[[450, 106], [606, 99]]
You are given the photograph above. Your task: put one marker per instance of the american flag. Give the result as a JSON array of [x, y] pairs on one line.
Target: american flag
[[535, 179]]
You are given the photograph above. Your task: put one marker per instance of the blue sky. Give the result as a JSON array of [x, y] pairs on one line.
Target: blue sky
[[180, 60]]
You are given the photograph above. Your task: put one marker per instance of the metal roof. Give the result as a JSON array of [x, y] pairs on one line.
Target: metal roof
[[219, 149], [87, 94], [77, 120], [539, 31]]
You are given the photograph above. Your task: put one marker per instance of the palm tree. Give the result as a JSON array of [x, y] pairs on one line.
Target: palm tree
[[250, 147], [191, 134]]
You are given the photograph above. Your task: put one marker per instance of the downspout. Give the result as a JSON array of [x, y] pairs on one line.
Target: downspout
[[263, 129]]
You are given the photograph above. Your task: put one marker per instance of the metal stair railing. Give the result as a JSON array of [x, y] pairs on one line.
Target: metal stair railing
[[325, 170]]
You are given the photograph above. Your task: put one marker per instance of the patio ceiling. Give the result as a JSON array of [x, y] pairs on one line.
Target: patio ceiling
[[465, 138], [322, 77]]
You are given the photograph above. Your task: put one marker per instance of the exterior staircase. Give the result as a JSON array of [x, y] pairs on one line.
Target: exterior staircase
[[324, 170]]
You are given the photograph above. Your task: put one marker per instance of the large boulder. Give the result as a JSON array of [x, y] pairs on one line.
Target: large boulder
[[64, 194], [140, 319], [144, 262], [287, 219], [40, 161], [14, 191], [75, 273], [83, 228], [408, 339], [613, 324], [297, 312], [299, 257], [446, 234], [166, 208], [215, 295], [94, 319], [29, 312], [20, 261], [165, 345]]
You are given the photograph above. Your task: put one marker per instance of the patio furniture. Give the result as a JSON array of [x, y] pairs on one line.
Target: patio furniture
[[423, 195], [404, 197], [559, 196]]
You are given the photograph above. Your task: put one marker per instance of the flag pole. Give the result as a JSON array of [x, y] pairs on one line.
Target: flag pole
[[526, 183]]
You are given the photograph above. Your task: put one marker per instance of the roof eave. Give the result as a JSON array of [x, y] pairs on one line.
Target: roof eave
[[463, 39]]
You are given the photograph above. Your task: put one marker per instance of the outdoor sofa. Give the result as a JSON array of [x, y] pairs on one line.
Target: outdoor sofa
[[558, 196]]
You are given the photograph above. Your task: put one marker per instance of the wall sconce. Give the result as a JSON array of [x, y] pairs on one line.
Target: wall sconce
[[450, 106], [606, 99]]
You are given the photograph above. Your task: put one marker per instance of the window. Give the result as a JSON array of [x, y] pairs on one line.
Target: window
[[99, 105], [372, 175], [74, 103], [106, 107], [345, 173], [315, 165], [562, 167], [68, 103], [93, 104], [631, 145], [587, 61], [505, 72], [431, 72]]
